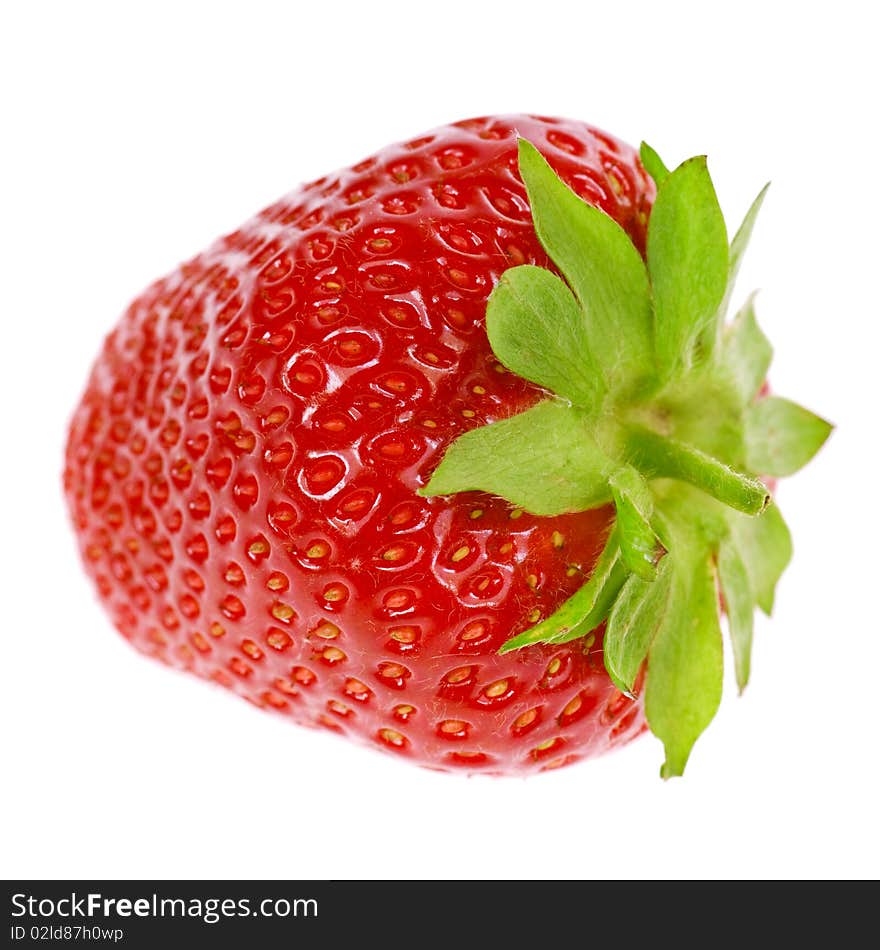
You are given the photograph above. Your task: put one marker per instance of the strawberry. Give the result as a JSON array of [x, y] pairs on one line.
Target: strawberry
[[302, 468]]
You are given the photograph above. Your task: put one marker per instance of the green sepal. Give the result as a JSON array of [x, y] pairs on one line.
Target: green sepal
[[585, 609], [738, 248], [781, 436], [739, 601], [685, 665], [638, 613], [687, 263], [537, 330], [640, 548], [602, 267], [653, 164], [564, 470], [765, 547], [745, 353]]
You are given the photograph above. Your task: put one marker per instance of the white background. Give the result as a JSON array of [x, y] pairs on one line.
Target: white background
[[134, 134]]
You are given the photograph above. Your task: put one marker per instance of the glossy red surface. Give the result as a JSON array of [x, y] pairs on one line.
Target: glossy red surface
[[242, 468]]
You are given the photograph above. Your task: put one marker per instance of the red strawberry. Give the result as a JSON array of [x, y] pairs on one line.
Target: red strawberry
[[245, 467]]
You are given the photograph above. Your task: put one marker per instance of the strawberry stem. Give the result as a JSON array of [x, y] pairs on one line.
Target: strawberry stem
[[658, 456]]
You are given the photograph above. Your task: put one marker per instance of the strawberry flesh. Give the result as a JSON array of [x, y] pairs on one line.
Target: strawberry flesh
[[243, 466]]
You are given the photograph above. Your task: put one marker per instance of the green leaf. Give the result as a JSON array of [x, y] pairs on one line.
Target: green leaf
[[537, 329], [544, 460], [765, 547], [782, 436], [585, 609], [640, 547], [738, 246], [653, 164], [740, 604], [685, 663], [638, 613], [746, 353], [687, 261], [602, 267]]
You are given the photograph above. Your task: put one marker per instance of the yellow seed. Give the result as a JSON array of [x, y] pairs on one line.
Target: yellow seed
[[516, 513], [546, 744], [473, 631], [326, 631], [456, 676], [233, 574], [558, 539], [506, 548], [452, 726], [532, 581], [615, 182], [317, 550], [398, 599], [496, 689], [534, 615], [553, 668], [392, 671], [278, 640], [461, 553], [201, 643], [258, 547], [404, 634], [477, 513], [525, 719], [391, 736], [216, 630], [282, 612], [479, 391], [571, 572], [429, 424], [468, 413]]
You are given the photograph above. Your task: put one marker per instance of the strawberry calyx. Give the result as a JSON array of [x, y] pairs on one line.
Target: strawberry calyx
[[655, 405]]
